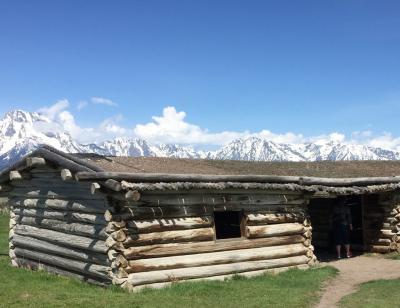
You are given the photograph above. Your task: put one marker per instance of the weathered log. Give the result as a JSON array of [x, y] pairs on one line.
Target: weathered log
[[212, 270], [274, 230], [15, 176], [263, 219], [85, 206], [239, 200], [34, 265], [156, 225], [61, 238], [67, 161], [379, 241], [113, 185], [66, 175], [89, 230], [12, 223], [120, 261], [112, 254], [394, 247], [58, 215], [58, 193], [94, 188], [222, 257], [138, 213], [53, 249], [164, 250], [35, 161], [119, 235], [132, 195], [379, 249], [5, 188], [113, 226], [161, 285], [196, 178], [113, 244], [95, 270], [201, 234]]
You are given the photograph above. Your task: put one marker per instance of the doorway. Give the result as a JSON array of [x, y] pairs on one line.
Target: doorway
[[320, 210]]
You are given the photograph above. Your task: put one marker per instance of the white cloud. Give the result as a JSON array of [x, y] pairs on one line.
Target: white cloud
[[52, 111], [81, 105], [102, 101], [172, 127], [110, 125]]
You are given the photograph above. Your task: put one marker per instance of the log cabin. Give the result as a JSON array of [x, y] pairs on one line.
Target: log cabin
[[148, 222]]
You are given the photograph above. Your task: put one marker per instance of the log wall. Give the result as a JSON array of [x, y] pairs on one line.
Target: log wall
[[164, 238], [382, 222], [58, 226]]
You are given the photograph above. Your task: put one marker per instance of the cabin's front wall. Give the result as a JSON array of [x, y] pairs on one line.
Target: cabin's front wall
[[57, 225], [168, 237]]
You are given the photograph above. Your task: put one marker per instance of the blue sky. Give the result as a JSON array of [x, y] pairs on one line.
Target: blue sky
[[306, 67]]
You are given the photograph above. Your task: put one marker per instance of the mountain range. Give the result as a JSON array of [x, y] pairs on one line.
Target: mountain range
[[21, 132]]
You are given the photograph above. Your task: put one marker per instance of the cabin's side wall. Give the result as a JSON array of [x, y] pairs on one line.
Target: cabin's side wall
[[382, 222], [168, 237], [58, 225]]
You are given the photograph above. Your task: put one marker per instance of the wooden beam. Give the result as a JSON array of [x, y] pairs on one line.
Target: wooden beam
[[66, 175], [35, 161]]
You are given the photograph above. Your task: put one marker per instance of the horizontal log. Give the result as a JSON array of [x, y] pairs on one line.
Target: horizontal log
[[379, 242], [35, 161], [89, 230], [220, 199], [66, 175], [191, 235], [115, 226], [62, 239], [379, 249], [274, 230], [222, 257], [161, 285], [178, 211], [65, 160], [156, 225], [85, 206], [91, 269], [197, 178], [263, 219], [164, 250], [34, 265], [34, 244], [58, 215], [15, 176], [5, 188], [112, 185], [212, 270], [53, 193], [132, 195]]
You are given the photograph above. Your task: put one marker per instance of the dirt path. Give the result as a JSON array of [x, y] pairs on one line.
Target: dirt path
[[353, 272]]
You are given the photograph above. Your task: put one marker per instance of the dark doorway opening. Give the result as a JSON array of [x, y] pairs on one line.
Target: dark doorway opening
[[228, 224], [320, 211]]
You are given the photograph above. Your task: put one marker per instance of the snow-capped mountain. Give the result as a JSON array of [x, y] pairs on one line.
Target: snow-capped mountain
[[21, 132]]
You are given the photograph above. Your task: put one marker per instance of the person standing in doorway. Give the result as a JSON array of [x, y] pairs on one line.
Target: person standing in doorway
[[342, 225]]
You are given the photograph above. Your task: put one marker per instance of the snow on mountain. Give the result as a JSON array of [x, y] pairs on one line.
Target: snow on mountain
[[21, 132]]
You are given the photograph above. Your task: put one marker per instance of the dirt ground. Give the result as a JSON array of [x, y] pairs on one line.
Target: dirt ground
[[353, 272]]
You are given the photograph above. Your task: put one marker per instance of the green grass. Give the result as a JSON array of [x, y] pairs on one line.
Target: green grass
[[393, 256], [294, 288], [378, 293]]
